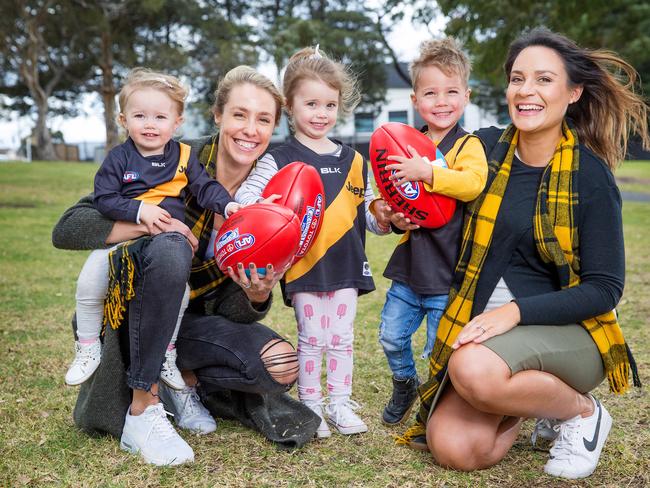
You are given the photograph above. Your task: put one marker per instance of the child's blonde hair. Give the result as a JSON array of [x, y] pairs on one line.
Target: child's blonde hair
[[241, 75], [446, 55], [139, 78], [312, 64]]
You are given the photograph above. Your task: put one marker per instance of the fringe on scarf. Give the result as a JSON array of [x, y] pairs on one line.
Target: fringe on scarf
[[416, 430], [123, 267]]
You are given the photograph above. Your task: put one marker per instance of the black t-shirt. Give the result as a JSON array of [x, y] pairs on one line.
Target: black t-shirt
[[534, 283]]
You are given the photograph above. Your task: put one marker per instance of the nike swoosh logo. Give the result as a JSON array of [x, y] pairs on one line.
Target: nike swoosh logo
[[591, 445]]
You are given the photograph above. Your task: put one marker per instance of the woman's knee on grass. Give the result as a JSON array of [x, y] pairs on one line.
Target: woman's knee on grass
[[468, 451], [478, 375], [280, 360]]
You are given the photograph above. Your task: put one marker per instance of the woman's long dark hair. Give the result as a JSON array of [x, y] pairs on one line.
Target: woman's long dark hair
[[609, 108]]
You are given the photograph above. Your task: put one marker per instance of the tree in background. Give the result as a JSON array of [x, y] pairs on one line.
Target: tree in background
[[125, 34], [221, 37], [52, 51], [488, 28], [43, 61], [345, 31]]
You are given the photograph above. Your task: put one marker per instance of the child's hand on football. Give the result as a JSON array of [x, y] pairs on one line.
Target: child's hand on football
[[401, 222], [414, 168]]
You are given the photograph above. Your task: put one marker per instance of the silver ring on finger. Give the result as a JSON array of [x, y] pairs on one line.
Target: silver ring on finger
[[483, 331], [247, 286]]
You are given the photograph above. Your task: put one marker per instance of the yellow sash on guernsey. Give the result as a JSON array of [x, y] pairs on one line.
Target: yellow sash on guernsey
[[338, 220], [173, 187]]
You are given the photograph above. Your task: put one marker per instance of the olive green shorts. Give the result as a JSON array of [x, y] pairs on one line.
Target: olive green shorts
[[565, 351]]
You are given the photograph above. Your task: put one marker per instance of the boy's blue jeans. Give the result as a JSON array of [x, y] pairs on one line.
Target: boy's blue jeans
[[400, 318]]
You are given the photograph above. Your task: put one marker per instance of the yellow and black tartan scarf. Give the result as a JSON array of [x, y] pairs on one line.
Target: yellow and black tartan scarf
[[205, 275], [124, 262], [556, 238]]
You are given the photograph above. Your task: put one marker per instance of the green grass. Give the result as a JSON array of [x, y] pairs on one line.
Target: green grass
[[634, 176], [39, 444]]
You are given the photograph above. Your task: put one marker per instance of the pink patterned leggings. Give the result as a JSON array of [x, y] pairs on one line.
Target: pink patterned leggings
[[325, 324]]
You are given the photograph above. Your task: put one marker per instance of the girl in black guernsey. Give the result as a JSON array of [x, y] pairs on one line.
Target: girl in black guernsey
[[323, 286]]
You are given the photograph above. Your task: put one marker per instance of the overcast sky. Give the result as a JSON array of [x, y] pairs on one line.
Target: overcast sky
[[89, 127]]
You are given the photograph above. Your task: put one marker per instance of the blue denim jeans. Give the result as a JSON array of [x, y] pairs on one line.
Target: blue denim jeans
[[153, 311], [400, 318]]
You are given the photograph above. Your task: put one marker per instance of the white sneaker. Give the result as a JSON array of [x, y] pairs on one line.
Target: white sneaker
[[323, 430], [170, 374], [544, 429], [153, 436], [189, 413], [341, 415], [86, 360], [577, 448]]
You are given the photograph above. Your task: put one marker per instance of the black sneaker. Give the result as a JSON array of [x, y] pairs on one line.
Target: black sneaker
[[401, 402], [419, 443]]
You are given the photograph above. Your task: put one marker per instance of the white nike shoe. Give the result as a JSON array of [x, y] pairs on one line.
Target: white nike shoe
[[576, 450]]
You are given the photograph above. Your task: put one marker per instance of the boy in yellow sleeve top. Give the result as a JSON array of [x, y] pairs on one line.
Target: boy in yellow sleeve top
[[423, 262]]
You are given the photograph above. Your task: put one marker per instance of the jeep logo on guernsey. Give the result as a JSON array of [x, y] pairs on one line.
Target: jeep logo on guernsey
[[408, 190], [355, 190], [130, 176]]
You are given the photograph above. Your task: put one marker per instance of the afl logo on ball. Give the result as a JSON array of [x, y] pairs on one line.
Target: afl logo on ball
[[244, 242], [408, 190]]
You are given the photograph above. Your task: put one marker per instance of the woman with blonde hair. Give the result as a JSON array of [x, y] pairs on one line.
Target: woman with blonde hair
[[239, 363]]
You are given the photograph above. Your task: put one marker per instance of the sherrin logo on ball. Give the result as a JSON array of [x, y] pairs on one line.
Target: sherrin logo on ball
[[426, 209], [262, 233]]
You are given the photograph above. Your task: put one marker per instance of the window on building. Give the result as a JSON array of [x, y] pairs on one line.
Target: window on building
[[401, 116], [364, 122]]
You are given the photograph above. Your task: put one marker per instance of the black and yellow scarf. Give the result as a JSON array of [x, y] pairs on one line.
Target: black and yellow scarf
[[556, 237]]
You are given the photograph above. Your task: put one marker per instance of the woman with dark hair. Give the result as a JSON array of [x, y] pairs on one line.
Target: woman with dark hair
[[530, 328], [241, 364]]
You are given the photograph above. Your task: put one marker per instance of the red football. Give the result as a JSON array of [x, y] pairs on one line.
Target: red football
[[302, 191], [412, 199], [261, 233]]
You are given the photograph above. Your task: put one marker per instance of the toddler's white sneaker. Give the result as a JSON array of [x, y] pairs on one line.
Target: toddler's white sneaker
[[86, 360]]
